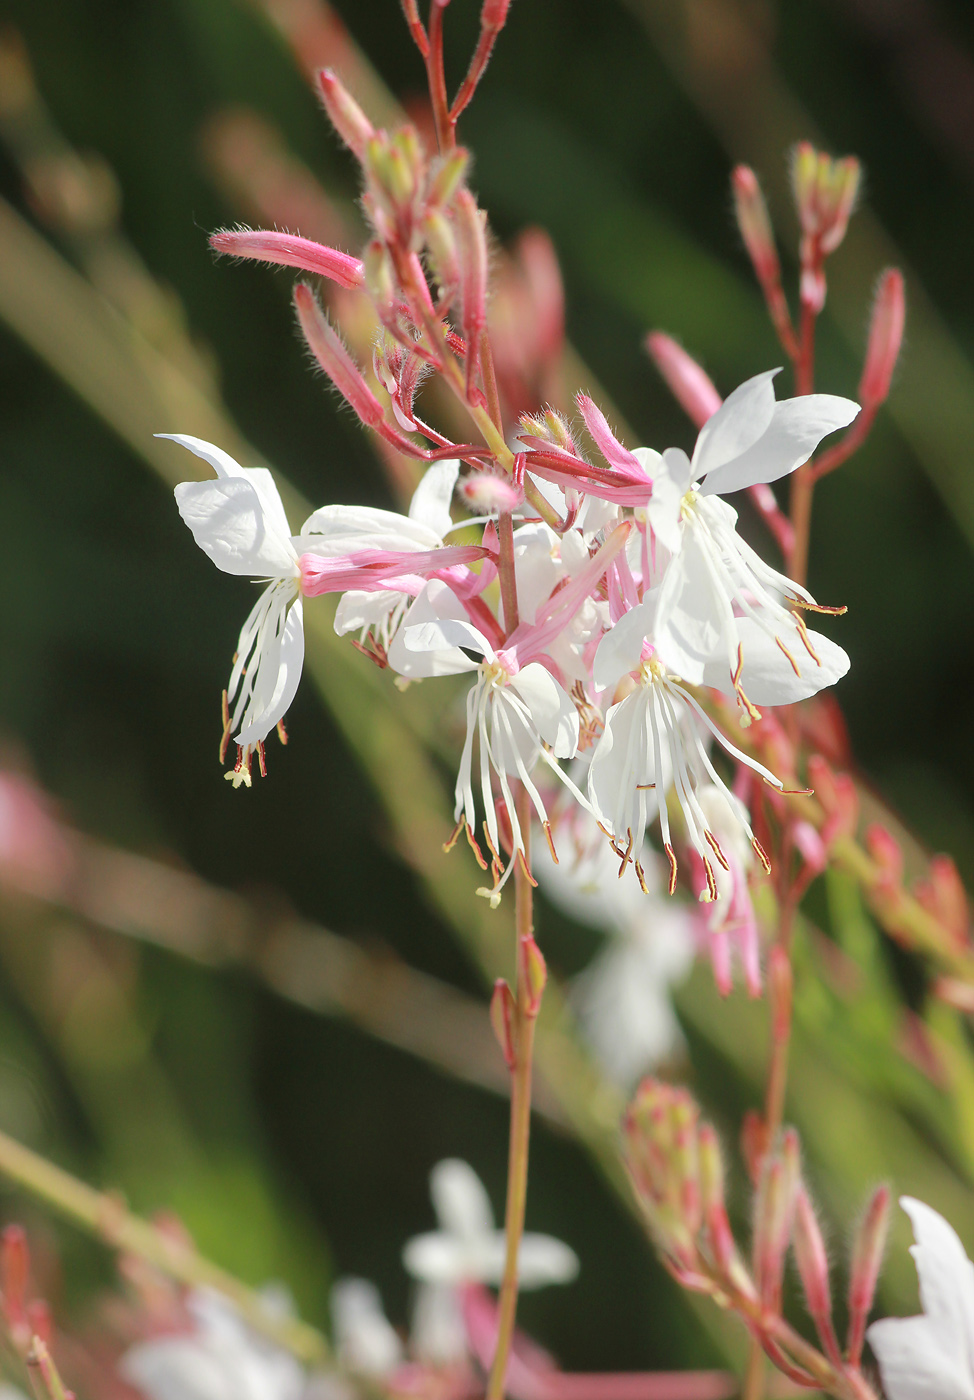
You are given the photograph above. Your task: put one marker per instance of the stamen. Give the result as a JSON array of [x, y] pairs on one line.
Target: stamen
[[794, 663], [714, 845], [452, 840], [525, 869], [751, 712], [671, 857], [711, 882], [809, 606], [551, 841], [261, 758], [645, 787], [803, 633], [240, 772], [375, 651], [794, 792], [760, 853], [641, 877], [227, 727], [282, 732], [472, 842]]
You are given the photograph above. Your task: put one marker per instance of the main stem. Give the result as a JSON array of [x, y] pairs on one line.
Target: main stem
[[517, 1158]]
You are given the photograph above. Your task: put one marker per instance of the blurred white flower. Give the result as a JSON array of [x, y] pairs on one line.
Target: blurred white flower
[[468, 1249], [365, 1339], [439, 1335], [220, 1359], [931, 1357]]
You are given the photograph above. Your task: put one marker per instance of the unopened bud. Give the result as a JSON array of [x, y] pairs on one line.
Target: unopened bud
[[755, 224], [942, 893], [886, 852], [502, 1014], [885, 338], [825, 194], [486, 494], [346, 116], [535, 974], [14, 1271], [811, 1258], [380, 279], [288, 250], [753, 1143], [447, 176], [867, 1259], [809, 846], [774, 1209], [837, 794], [690, 385], [326, 346], [470, 227], [441, 246]]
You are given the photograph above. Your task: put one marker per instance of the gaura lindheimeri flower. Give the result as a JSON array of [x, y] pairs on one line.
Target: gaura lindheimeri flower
[[931, 1357], [657, 735], [467, 1248], [238, 519], [720, 616], [365, 1339], [730, 921]]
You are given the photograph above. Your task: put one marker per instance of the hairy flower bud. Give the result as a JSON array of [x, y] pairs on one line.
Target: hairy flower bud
[[535, 973], [690, 385], [346, 116], [755, 224], [867, 1258], [441, 247], [380, 279], [825, 193], [288, 250], [773, 1212], [446, 177], [885, 339]]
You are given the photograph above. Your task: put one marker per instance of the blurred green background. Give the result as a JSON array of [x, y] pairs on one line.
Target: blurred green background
[[294, 1145]]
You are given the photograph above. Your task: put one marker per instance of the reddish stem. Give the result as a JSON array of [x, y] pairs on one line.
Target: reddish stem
[[493, 17], [436, 76], [416, 26]]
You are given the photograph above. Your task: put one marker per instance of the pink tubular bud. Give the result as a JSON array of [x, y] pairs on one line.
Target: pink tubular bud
[[885, 339], [813, 1270], [690, 385], [471, 236], [14, 1269], [380, 279], [867, 1259], [774, 1212], [535, 973], [502, 1012], [346, 116], [755, 224], [447, 175], [810, 846], [441, 247], [288, 250], [837, 794], [326, 345], [942, 893], [886, 852], [825, 194]]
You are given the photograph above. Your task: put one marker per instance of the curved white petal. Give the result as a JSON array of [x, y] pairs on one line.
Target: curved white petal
[[436, 603], [447, 634], [537, 567], [229, 523], [670, 485], [691, 626], [917, 1362], [542, 1260], [551, 709], [739, 422], [282, 663], [224, 465], [341, 529], [365, 1339], [438, 1335], [946, 1276], [767, 676], [357, 610], [430, 505], [620, 650], [461, 1203], [795, 430], [623, 785], [623, 997], [435, 1258]]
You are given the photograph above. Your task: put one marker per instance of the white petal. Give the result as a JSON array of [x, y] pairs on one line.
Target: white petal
[[915, 1363], [435, 603], [357, 610], [438, 1335], [767, 676], [259, 477], [447, 634], [229, 524], [364, 1338], [431, 499], [284, 671], [741, 419], [551, 709], [670, 485], [341, 529], [461, 1203], [623, 758], [536, 568], [795, 430], [946, 1275], [620, 650], [542, 1260], [691, 626], [435, 1258]]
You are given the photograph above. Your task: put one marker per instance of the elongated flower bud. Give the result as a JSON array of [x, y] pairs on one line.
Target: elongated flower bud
[[755, 224], [471, 236], [346, 116], [690, 385], [885, 339], [535, 973], [813, 1269], [502, 1008], [867, 1259], [288, 250], [327, 347]]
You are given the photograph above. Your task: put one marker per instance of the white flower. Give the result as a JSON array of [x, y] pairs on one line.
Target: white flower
[[468, 1249], [438, 1336], [720, 604], [512, 710], [654, 737], [623, 996], [238, 519], [931, 1357], [365, 1339], [221, 1359]]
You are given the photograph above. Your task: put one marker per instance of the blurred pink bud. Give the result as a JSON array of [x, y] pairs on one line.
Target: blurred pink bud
[[471, 239], [502, 1009], [885, 850], [825, 193], [943, 894], [867, 1259], [346, 116], [774, 1211], [690, 385], [535, 973], [447, 176], [288, 250], [810, 846], [486, 494], [885, 339], [605, 439], [755, 225], [811, 1258], [753, 1143], [36, 855], [837, 794]]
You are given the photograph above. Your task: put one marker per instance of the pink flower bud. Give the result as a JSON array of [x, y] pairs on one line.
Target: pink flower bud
[[502, 1012], [943, 894], [535, 973], [346, 116], [825, 194], [14, 1270], [690, 385], [486, 494], [867, 1259], [813, 1270], [327, 347], [380, 279], [441, 248], [885, 850], [837, 794], [755, 225], [470, 227], [774, 1211], [288, 250], [885, 339], [810, 846]]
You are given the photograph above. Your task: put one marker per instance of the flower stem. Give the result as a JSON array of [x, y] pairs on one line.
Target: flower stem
[[107, 1216], [517, 1160]]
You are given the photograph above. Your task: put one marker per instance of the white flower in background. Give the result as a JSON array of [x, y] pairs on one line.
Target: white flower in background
[[623, 997], [657, 735], [425, 528], [365, 1339], [467, 1248], [931, 1357], [221, 1359], [720, 604], [238, 519], [438, 1336]]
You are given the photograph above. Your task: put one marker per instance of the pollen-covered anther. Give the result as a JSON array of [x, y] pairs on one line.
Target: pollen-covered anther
[[551, 841], [454, 836], [806, 642], [809, 606], [759, 851], [625, 855], [472, 843], [641, 877], [793, 663], [281, 732], [709, 895], [227, 727], [751, 712], [714, 845], [671, 857], [240, 772], [526, 869], [261, 758]]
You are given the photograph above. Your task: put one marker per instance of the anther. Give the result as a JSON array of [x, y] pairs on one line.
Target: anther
[[803, 633], [282, 732], [671, 857], [818, 607], [711, 881], [472, 842], [760, 853], [225, 736], [714, 845], [452, 841], [261, 758], [645, 787], [525, 869], [551, 841], [641, 877], [794, 663]]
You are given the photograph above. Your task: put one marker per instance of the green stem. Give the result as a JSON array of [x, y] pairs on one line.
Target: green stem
[[107, 1217]]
